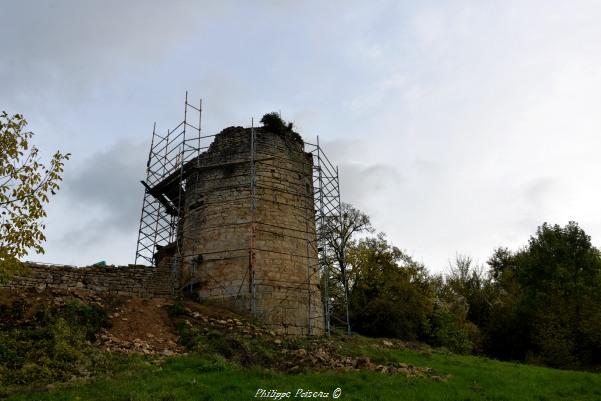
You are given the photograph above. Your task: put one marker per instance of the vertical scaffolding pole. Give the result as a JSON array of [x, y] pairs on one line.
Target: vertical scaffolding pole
[[146, 202], [179, 233], [308, 246], [253, 208], [172, 221], [348, 321], [322, 249], [199, 124]]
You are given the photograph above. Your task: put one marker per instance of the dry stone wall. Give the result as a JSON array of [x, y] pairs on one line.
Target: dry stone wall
[[118, 280]]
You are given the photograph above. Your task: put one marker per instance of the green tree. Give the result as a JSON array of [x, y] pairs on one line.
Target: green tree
[[559, 258], [502, 263], [25, 187], [559, 274], [449, 327], [503, 333], [391, 294], [462, 304], [470, 282], [340, 232], [546, 306]]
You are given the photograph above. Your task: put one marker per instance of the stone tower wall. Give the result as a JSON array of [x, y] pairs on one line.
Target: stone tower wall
[[216, 235]]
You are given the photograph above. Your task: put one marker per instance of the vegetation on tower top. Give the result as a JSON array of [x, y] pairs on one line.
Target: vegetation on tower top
[[273, 122]]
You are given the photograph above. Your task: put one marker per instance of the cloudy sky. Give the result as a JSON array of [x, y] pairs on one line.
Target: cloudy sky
[[458, 126]]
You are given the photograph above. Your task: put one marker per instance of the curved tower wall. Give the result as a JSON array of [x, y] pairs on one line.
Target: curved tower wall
[[217, 235]]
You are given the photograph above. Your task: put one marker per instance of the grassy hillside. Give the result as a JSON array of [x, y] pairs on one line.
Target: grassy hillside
[[231, 359], [194, 377]]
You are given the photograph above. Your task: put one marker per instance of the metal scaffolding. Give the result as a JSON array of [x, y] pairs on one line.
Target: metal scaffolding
[[175, 156], [326, 189], [165, 183]]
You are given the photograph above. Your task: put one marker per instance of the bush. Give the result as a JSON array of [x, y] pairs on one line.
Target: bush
[[53, 346], [211, 363], [273, 122], [91, 318], [449, 331], [177, 309]]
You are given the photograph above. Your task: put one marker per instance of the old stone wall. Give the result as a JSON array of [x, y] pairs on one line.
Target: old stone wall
[[118, 280], [219, 225]]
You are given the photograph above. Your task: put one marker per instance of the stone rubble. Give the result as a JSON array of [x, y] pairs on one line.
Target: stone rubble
[[315, 354], [143, 327]]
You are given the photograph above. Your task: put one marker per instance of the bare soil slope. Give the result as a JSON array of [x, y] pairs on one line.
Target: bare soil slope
[[140, 325]]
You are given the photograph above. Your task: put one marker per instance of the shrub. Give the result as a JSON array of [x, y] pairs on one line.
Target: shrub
[[449, 331], [273, 122], [52, 346], [177, 309]]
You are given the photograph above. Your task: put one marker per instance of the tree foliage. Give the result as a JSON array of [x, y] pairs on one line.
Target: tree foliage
[[543, 300], [341, 230], [339, 234], [461, 301], [272, 122], [539, 304], [391, 294], [25, 187], [559, 275]]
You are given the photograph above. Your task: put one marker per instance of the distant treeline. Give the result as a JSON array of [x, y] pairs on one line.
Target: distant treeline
[[540, 304]]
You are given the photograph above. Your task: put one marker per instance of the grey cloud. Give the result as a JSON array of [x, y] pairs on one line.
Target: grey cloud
[[73, 48], [364, 185], [534, 207], [94, 215], [107, 183], [427, 167], [87, 237], [539, 190], [364, 180]]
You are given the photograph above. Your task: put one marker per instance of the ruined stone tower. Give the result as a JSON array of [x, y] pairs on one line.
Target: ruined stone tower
[[246, 236]]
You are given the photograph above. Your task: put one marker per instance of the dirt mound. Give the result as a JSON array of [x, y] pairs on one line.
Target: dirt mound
[[140, 325], [134, 324]]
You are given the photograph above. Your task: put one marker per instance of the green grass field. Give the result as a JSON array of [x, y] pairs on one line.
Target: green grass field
[[196, 377]]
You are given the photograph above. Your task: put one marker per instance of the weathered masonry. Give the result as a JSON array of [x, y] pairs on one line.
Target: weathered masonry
[[130, 281], [247, 236], [236, 217], [280, 282]]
